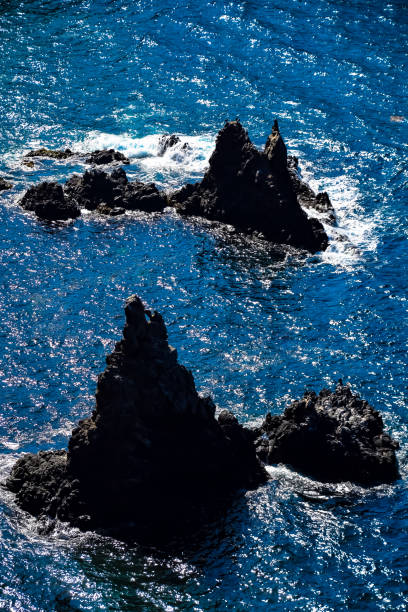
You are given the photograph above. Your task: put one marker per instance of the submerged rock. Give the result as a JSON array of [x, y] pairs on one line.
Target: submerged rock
[[5, 184], [251, 190], [106, 156], [48, 201], [307, 197], [151, 454], [334, 436], [96, 189]]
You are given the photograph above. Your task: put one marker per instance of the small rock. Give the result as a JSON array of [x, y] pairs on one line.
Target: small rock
[[106, 156], [48, 201], [104, 209], [5, 184]]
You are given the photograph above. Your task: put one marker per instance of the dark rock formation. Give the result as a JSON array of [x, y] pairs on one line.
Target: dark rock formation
[[307, 197], [166, 141], [4, 184], [251, 190], [106, 156], [152, 453], [51, 153], [332, 437], [48, 201], [111, 193]]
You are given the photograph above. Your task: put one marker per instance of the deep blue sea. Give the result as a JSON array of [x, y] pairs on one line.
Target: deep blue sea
[[256, 324]]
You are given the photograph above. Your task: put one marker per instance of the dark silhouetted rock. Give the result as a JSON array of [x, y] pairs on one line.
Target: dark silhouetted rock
[[166, 142], [275, 151], [307, 197], [152, 454], [48, 201], [251, 190], [51, 153], [4, 184], [332, 437], [98, 190], [106, 156]]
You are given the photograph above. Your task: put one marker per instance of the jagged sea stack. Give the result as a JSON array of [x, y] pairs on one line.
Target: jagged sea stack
[[334, 436], [152, 454], [251, 190]]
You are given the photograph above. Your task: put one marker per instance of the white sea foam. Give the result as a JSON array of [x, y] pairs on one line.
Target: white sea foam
[[354, 234], [186, 159]]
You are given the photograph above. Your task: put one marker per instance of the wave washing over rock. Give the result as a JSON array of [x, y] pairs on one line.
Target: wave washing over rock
[[152, 454]]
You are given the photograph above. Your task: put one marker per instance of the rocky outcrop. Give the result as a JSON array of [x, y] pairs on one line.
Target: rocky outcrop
[[108, 194], [99, 157], [53, 154], [319, 202], [113, 193], [152, 454], [4, 184], [106, 156], [251, 190], [48, 201], [334, 436]]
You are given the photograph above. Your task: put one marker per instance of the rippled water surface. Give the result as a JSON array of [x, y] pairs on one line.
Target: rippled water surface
[[257, 324]]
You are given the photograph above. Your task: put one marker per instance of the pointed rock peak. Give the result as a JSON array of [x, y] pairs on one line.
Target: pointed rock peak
[[232, 147], [141, 323], [275, 149], [232, 134]]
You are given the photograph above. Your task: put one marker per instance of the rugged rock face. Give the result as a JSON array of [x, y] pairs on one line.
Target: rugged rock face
[[307, 197], [151, 454], [106, 156], [113, 193], [251, 190], [332, 437], [4, 184], [48, 201]]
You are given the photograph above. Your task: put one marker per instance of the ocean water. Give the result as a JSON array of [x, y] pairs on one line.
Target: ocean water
[[257, 324]]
